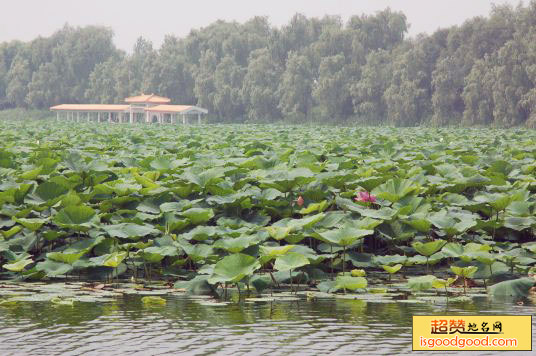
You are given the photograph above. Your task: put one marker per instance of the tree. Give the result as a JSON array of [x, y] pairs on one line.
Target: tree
[[368, 93], [19, 77], [228, 79], [45, 87], [259, 90], [331, 90], [447, 83], [173, 75], [477, 94], [296, 87]]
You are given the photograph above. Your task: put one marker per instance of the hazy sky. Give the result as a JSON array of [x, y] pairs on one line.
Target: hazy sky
[[153, 19]]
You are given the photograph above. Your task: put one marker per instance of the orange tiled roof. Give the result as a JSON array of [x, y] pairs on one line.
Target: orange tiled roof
[[90, 107], [145, 98], [169, 108]]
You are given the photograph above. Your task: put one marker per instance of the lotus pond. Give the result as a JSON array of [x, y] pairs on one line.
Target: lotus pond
[[257, 210]]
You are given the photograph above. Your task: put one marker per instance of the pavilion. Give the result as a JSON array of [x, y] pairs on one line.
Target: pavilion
[[142, 108]]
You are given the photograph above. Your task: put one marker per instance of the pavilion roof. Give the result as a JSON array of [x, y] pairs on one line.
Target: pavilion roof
[[176, 109], [89, 107], [148, 98]]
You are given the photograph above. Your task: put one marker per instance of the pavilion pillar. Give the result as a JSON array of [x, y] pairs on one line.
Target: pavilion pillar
[[109, 117], [57, 116], [183, 119], [199, 119], [78, 116], [98, 116], [130, 116]]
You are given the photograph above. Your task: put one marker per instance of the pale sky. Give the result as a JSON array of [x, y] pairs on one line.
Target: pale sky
[[153, 19]]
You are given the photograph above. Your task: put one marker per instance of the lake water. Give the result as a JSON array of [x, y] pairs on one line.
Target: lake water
[[187, 325]]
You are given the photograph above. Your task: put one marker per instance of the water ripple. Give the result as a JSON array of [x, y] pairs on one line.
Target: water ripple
[[183, 326]]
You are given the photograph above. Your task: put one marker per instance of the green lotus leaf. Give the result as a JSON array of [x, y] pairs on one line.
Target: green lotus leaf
[[114, 259], [358, 273], [145, 182], [48, 191], [31, 224], [289, 261], [392, 269], [124, 189], [17, 266], [395, 189], [286, 180], [421, 283], [274, 251], [453, 249], [326, 286], [201, 233], [204, 178], [63, 257], [197, 252], [278, 232], [161, 164], [429, 248], [349, 283], [175, 206], [53, 268], [155, 254], [32, 174], [236, 244], [519, 223], [315, 207], [452, 225], [421, 224], [11, 232], [129, 230], [345, 236], [389, 259], [234, 268], [198, 215], [197, 285], [76, 217], [497, 201], [513, 288], [442, 283], [484, 257], [466, 272], [520, 208]]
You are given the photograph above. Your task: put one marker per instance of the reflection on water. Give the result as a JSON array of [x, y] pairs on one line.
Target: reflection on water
[[184, 326]]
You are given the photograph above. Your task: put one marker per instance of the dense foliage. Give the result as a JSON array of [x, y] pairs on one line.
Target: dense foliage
[[311, 70], [224, 202]]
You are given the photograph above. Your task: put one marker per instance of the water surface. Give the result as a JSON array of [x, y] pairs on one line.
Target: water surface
[[185, 325]]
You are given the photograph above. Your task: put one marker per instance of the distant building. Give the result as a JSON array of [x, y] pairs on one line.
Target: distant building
[[143, 108]]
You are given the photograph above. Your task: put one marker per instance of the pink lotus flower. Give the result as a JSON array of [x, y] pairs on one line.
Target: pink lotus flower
[[365, 197], [299, 201]]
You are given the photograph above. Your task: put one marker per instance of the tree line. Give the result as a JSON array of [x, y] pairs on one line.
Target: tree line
[[363, 71]]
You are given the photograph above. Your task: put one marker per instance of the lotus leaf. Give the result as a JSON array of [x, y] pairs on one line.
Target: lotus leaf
[[234, 268], [289, 261]]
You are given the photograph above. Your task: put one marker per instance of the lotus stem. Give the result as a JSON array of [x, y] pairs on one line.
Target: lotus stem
[[343, 258], [331, 261], [290, 271]]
